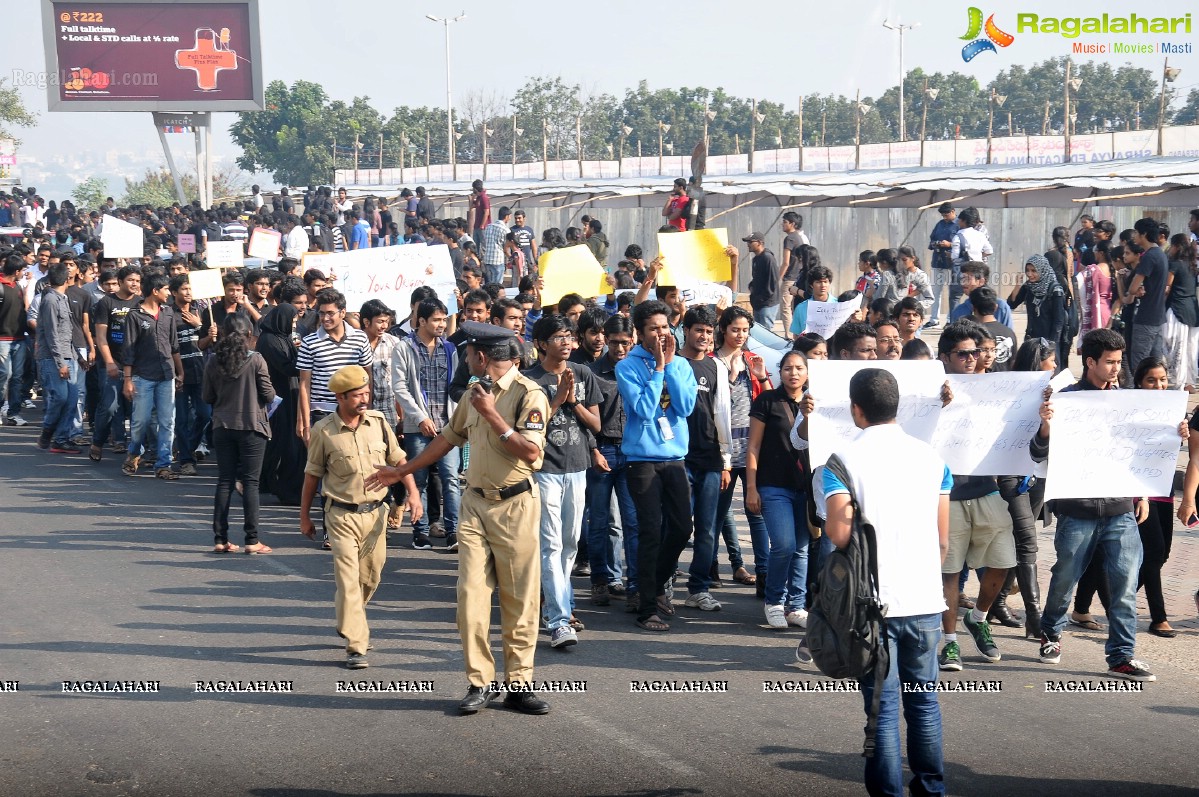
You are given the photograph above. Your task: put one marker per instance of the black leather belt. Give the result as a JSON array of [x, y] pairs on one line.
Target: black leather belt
[[358, 509], [608, 441], [504, 493]]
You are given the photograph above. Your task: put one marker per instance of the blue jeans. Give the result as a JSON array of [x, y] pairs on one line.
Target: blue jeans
[[493, 274], [602, 485], [108, 409], [785, 513], [765, 316], [942, 277], [191, 416], [562, 496], [153, 396], [61, 397], [705, 497], [912, 643], [447, 470], [1076, 541], [757, 527], [12, 368], [80, 395]]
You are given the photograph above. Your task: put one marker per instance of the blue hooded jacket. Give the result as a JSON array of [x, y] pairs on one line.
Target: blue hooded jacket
[[641, 388]]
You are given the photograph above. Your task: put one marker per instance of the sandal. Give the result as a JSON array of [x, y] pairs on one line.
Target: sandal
[[665, 606], [220, 547], [743, 576], [95, 453], [1089, 624], [131, 465], [395, 522], [258, 548], [653, 623]]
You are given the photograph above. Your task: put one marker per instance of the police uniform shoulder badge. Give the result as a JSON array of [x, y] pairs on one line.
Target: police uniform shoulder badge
[[535, 422]]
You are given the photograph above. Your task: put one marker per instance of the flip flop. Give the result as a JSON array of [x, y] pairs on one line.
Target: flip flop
[[95, 453], [220, 548], [260, 548], [743, 576], [665, 606], [654, 623], [232, 548], [1089, 625]]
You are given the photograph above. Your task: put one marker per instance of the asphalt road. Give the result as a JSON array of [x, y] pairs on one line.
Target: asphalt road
[[108, 578]]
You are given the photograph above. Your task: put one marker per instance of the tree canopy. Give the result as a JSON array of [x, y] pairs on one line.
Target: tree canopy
[[303, 134]]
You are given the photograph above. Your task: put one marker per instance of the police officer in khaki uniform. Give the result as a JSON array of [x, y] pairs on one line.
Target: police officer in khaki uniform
[[344, 449], [503, 417]]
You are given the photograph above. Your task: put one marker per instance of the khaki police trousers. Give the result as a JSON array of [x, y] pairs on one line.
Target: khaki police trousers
[[356, 575], [499, 546]]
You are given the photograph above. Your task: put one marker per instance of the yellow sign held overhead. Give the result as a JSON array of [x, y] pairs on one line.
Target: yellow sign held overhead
[[572, 269], [694, 256]]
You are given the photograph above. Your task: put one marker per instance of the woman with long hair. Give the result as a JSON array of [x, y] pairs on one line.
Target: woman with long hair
[[238, 387], [776, 487], [1064, 264], [1098, 299], [747, 376], [283, 461], [1182, 313], [1157, 531]]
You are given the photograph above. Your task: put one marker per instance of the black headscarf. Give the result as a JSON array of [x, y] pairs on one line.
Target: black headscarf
[[274, 339]]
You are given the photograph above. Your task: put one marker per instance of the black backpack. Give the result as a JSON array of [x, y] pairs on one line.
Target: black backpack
[[845, 622]]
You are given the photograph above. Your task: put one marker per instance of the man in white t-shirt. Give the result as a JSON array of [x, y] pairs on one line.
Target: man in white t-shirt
[[911, 525]]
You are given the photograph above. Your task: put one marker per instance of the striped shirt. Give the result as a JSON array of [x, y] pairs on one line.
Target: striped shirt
[[235, 230], [322, 357], [492, 250], [382, 395]]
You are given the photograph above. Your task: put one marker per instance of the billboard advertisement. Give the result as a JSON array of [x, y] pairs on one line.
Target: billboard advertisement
[[201, 55]]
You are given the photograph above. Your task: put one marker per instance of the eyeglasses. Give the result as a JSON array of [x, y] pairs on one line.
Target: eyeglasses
[[988, 350], [967, 354], [558, 340], [624, 344], [895, 339], [329, 314], [1043, 342]]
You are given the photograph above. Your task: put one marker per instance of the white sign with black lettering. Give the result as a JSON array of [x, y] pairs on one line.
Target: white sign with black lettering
[[1114, 443], [986, 429], [831, 424]]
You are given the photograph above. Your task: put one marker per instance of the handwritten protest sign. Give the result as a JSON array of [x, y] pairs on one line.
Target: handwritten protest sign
[[206, 283], [986, 429], [572, 269], [121, 239], [264, 243], [706, 293], [831, 425], [825, 318], [390, 274], [187, 243], [1113, 443], [224, 254], [694, 256]]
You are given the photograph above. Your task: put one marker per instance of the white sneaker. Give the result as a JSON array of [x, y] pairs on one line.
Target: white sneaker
[[775, 616], [798, 618], [702, 601], [15, 420]]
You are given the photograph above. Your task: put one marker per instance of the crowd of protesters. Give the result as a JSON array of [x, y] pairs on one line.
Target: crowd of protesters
[[655, 409]]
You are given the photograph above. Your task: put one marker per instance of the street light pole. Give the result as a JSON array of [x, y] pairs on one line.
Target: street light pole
[[449, 101], [903, 131]]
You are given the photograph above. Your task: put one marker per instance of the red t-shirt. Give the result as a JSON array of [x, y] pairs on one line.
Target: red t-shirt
[[678, 204]]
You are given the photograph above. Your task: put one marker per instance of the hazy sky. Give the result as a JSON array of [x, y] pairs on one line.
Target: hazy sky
[[769, 50]]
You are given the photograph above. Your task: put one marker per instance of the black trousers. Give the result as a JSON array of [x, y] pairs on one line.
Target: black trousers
[[239, 455], [1157, 535], [659, 490]]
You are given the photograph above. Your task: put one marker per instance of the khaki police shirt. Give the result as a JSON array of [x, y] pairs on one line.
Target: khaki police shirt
[[523, 404], [344, 457]]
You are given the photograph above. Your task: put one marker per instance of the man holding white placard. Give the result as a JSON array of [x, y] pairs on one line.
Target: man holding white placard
[[1087, 525], [980, 528]]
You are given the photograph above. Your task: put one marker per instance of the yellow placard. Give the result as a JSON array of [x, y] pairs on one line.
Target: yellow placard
[[206, 283], [694, 256], [572, 269]]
